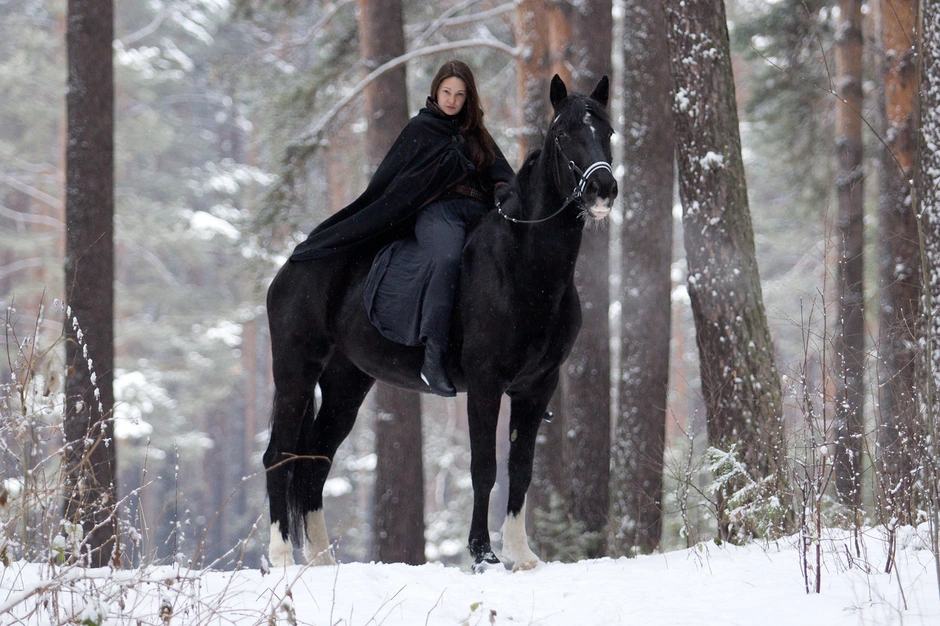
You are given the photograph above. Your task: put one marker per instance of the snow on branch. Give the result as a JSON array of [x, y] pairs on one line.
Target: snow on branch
[[313, 137], [30, 191], [330, 11], [446, 18]]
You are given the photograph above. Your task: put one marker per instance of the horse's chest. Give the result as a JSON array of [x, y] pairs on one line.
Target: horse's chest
[[547, 321]]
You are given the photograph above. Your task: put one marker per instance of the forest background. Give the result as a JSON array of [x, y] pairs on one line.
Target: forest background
[[210, 98]]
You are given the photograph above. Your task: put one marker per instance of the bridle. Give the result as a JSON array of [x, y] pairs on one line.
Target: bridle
[[576, 194]]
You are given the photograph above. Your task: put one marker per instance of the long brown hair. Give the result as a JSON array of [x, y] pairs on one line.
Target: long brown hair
[[471, 116]]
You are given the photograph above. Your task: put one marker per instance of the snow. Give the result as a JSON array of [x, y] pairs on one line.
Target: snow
[[707, 584], [205, 226]]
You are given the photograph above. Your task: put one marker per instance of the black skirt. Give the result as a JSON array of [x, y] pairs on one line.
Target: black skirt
[[410, 292]]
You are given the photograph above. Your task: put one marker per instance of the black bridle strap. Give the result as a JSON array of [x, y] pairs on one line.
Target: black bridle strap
[[575, 194], [499, 208]]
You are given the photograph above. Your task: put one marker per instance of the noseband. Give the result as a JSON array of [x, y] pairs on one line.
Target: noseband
[[576, 194]]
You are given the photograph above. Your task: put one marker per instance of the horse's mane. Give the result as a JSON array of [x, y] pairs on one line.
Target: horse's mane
[[524, 174]]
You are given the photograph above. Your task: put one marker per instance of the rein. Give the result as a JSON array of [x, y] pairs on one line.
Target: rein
[[576, 193]]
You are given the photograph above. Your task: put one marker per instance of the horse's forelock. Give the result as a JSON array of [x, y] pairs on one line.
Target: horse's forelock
[[574, 111]]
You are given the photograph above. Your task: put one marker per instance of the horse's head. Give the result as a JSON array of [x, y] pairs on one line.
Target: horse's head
[[579, 136]]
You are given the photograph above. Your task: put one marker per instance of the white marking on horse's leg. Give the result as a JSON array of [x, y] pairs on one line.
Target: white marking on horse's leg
[[516, 544], [317, 544], [280, 552]]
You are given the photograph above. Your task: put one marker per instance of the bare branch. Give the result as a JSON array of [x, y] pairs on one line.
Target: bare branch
[[446, 19], [442, 18], [158, 19], [329, 13], [30, 191], [313, 137], [30, 218]]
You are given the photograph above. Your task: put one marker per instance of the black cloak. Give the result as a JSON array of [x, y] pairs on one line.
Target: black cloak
[[428, 157]]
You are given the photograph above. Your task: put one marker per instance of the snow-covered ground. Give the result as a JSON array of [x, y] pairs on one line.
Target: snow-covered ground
[[709, 584]]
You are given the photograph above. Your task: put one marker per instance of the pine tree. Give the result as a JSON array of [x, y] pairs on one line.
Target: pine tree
[[646, 244], [398, 502], [739, 377], [91, 461], [899, 260], [850, 334]]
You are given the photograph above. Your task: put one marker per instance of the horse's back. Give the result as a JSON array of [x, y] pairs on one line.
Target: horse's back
[[318, 305]]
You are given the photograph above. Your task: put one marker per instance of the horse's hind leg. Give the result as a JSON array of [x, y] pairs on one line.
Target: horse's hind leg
[[295, 377], [343, 387], [526, 412]]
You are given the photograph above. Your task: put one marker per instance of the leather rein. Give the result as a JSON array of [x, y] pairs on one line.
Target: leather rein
[[575, 195]]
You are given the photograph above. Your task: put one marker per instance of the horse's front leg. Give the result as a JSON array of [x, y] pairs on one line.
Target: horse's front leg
[[527, 410], [483, 413]]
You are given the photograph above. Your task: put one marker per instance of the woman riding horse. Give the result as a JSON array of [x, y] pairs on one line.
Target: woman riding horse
[[435, 182], [516, 317]]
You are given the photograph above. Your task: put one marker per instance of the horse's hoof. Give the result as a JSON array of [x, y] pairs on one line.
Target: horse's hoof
[[522, 566], [280, 552], [487, 562], [280, 558]]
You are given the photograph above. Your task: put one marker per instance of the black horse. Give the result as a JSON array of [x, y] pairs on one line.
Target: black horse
[[515, 320]]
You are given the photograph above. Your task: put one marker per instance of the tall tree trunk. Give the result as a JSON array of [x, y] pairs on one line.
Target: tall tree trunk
[[91, 460], [398, 524], [536, 22], [740, 383], [928, 191], [646, 243], [850, 335], [585, 377], [900, 261], [398, 500], [532, 67]]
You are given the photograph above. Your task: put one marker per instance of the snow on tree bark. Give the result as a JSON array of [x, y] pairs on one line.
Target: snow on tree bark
[[850, 334], [91, 460], [398, 499], [900, 261], [740, 384], [646, 241], [928, 190]]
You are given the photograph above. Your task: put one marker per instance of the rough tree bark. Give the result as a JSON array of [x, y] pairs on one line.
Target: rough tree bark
[[899, 262], [739, 377], [928, 192], [398, 516], [850, 333], [646, 244], [91, 459], [532, 66], [585, 377]]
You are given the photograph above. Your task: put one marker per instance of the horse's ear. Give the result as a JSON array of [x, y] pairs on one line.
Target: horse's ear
[[602, 91], [558, 92]]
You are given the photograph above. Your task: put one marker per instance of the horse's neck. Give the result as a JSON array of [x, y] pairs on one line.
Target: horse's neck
[[550, 247]]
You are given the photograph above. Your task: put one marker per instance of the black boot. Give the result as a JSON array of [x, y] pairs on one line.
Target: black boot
[[432, 372]]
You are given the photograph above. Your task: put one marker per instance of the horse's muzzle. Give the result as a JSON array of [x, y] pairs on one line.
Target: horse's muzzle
[[599, 197]]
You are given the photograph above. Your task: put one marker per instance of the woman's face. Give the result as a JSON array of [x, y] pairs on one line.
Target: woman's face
[[451, 95]]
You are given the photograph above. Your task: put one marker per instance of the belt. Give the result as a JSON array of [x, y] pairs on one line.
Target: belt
[[468, 191]]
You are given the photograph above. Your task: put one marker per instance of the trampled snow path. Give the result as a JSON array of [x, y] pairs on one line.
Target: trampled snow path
[[709, 584]]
